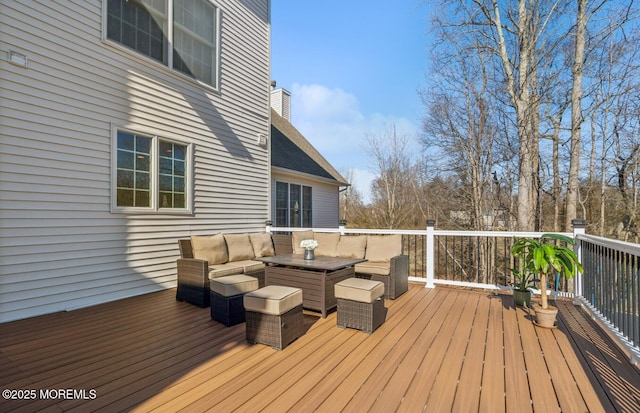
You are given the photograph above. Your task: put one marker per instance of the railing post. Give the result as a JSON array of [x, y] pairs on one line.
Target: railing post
[[268, 224], [579, 227], [430, 253], [342, 225]]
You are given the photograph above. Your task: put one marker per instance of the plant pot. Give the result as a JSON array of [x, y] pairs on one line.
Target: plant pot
[[545, 317], [522, 298], [309, 255]]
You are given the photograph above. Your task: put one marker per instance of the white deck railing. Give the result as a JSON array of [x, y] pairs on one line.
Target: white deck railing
[[609, 288]]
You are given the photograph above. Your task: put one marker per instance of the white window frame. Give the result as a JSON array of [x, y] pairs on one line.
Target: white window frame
[[169, 33], [154, 172]]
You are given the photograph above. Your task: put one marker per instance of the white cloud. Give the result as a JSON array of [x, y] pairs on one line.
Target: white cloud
[[361, 181], [331, 119]]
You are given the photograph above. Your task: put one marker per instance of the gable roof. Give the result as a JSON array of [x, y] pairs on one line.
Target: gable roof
[[290, 150]]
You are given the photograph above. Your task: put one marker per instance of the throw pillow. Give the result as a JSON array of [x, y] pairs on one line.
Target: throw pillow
[[352, 246], [327, 243], [383, 247], [297, 237], [239, 247], [262, 244], [212, 249]]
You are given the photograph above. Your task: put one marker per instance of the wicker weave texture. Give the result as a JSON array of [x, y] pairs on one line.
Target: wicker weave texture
[[227, 310], [192, 286], [361, 316], [397, 282], [277, 331]]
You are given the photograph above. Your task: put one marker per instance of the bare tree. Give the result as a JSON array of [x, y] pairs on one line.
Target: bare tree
[[576, 113], [393, 190]]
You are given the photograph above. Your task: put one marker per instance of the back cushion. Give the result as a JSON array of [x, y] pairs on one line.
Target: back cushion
[[327, 243], [351, 246], [297, 237], [239, 247], [383, 247], [212, 249], [262, 245]]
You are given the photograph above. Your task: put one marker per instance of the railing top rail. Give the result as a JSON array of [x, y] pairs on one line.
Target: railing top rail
[[453, 233], [627, 247], [497, 234]]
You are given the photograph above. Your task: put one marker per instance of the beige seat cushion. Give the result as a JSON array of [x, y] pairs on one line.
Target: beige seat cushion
[[327, 243], [223, 270], [383, 247], [358, 289], [297, 237], [212, 249], [262, 245], [233, 285], [239, 247], [374, 267], [351, 246], [250, 266], [273, 299]]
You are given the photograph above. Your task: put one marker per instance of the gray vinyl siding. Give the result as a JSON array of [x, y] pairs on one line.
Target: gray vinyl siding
[[61, 247], [325, 205]]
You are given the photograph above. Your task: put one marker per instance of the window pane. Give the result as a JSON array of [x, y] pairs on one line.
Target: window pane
[[282, 210], [295, 207], [142, 180], [133, 161], [178, 184], [179, 201], [125, 160], [194, 42], [125, 197], [139, 25], [125, 179], [306, 207], [171, 175], [165, 183], [142, 199]]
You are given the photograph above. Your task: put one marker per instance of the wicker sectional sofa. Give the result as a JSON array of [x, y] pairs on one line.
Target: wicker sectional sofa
[[204, 258]]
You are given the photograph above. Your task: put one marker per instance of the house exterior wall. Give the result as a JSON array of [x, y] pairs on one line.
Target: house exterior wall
[[325, 205], [61, 245]]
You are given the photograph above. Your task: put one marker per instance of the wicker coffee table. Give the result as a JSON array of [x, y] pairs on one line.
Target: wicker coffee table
[[315, 277]]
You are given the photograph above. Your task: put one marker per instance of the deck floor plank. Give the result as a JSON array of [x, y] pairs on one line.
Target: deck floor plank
[[603, 362], [467, 396], [543, 395], [492, 395], [518, 396], [420, 389], [442, 397], [439, 349]]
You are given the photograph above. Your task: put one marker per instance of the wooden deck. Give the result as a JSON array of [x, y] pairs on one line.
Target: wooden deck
[[440, 350]]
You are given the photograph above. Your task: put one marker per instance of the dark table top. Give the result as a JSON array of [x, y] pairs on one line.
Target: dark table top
[[319, 263]]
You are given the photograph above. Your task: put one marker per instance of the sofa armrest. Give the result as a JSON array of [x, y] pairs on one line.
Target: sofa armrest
[[397, 282], [193, 281], [192, 271], [399, 275]]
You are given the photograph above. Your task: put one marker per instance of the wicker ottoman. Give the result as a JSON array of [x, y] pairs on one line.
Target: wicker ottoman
[[226, 297], [360, 304], [274, 315]]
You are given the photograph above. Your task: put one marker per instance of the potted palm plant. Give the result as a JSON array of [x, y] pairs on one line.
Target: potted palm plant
[[541, 257]]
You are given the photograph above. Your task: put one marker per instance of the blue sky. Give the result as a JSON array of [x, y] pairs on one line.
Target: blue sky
[[353, 68]]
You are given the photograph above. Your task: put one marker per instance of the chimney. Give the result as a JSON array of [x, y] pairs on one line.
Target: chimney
[[281, 102]]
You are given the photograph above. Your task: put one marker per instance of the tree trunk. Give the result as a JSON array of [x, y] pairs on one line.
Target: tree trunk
[[576, 115]]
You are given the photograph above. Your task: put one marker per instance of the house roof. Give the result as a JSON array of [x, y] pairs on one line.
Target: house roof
[[290, 150]]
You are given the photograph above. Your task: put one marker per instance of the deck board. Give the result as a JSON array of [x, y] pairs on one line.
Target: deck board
[[440, 349]]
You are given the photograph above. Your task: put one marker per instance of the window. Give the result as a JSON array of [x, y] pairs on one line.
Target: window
[[150, 173], [181, 34], [293, 205]]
